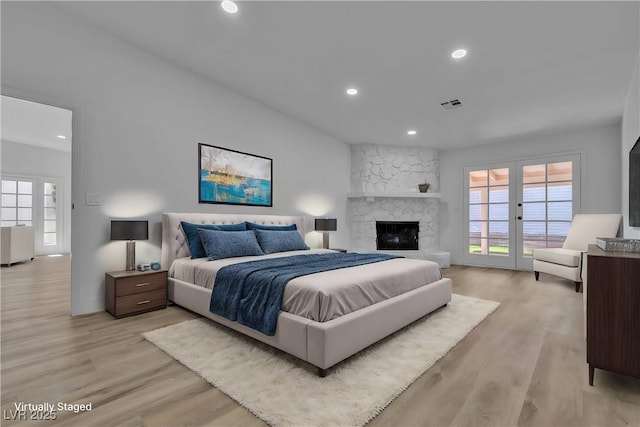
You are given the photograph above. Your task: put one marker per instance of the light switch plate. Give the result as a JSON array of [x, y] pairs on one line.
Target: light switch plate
[[93, 199]]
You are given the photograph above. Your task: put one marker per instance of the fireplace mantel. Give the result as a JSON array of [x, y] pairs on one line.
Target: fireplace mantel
[[400, 194], [383, 187]]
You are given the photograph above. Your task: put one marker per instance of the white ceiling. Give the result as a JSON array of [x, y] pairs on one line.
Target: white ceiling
[[36, 124], [532, 66]]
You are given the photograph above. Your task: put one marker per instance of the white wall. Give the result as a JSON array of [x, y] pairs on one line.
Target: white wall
[[137, 122], [32, 161], [630, 134], [599, 148]]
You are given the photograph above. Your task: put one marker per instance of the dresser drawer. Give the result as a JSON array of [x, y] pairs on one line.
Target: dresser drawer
[[145, 301], [142, 283]]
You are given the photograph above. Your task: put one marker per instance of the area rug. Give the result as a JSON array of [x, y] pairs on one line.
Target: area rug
[[284, 391]]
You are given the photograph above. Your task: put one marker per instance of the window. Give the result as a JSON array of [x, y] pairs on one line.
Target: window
[[17, 202], [50, 223], [489, 211], [36, 202], [547, 205]]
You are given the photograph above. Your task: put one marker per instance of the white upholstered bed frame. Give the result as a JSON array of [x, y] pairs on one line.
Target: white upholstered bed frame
[[322, 344]]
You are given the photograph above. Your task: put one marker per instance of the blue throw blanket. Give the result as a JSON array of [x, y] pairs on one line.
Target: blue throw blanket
[[251, 292]]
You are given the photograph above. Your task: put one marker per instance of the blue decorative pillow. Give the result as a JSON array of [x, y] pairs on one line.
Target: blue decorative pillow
[[254, 226], [193, 238], [280, 241], [228, 244]]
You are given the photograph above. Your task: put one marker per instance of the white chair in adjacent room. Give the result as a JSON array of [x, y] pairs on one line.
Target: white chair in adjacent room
[[567, 261], [17, 244]]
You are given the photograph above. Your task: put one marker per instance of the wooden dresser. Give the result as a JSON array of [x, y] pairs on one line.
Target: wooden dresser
[[613, 312], [134, 292]]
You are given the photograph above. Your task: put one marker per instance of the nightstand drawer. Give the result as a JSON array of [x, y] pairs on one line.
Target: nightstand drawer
[[134, 292], [146, 301], [142, 283]]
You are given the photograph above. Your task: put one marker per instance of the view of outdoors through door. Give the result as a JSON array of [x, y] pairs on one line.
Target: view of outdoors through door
[[547, 205], [50, 224], [516, 207], [33, 202], [489, 211]]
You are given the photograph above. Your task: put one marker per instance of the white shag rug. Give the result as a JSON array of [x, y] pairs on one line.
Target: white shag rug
[[284, 391]]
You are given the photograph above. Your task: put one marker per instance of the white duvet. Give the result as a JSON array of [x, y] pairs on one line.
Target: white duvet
[[330, 294]]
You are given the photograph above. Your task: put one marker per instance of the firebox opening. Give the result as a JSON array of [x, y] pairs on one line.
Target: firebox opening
[[397, 235]]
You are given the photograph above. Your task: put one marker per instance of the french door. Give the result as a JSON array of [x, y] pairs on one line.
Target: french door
[[514, 207], [36, 202]]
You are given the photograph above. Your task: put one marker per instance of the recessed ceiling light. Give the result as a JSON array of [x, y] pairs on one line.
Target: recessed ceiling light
[[229, 6], [61, 136], [352, 91], [412, 132], [459, 53]]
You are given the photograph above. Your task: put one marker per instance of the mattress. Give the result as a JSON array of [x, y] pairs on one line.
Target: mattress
[[327, 295]]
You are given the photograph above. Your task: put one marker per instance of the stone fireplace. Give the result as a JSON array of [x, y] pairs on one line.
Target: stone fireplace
[[384, 189]]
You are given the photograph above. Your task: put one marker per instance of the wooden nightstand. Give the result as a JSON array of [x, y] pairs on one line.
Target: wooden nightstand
[[134, 292]]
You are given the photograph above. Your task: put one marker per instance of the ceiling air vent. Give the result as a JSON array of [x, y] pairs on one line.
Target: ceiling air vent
[[450, 105]]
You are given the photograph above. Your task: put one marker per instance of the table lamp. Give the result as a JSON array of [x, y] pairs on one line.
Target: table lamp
[[326, 225], [130, 230]]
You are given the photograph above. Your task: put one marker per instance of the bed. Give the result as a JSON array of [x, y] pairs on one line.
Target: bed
[[321, 335]]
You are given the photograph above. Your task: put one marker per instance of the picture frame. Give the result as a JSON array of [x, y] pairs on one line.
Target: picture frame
[[231, 177]]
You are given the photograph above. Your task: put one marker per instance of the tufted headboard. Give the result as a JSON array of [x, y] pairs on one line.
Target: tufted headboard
[[174, 245]]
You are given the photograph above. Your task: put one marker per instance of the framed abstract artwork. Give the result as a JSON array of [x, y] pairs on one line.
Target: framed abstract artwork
[[233, 177]]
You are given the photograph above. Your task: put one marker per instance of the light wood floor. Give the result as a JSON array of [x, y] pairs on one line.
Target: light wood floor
[[524, 365]]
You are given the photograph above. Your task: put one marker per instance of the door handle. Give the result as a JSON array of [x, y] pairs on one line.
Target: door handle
[[518, 217]]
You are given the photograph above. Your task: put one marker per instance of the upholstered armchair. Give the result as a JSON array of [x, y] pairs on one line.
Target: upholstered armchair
[[17, 244], [567, 261]]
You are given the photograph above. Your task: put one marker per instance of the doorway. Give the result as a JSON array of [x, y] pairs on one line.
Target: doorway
[[512, 208], [36, 172]]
